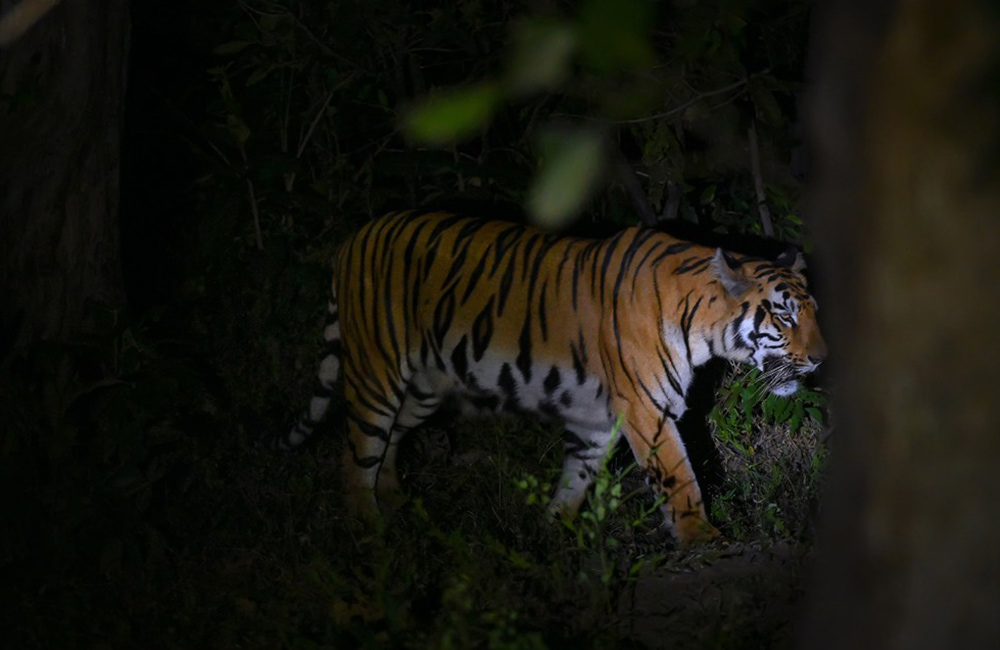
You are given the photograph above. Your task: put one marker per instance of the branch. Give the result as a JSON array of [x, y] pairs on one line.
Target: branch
[[343, 82], [673, 111], [633, 188], [758, 181], [672, 206]]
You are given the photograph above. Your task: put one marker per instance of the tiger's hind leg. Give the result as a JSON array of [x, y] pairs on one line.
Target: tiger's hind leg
[[376, 422], [419, 404]]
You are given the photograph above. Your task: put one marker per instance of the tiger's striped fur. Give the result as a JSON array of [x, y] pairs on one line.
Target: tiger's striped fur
[[506, 317]]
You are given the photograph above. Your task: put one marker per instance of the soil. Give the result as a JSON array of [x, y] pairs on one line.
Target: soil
[[739, 596]]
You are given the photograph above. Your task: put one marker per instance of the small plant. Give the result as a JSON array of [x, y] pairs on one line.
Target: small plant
[[743, 401], [610, 517], [772, 455]]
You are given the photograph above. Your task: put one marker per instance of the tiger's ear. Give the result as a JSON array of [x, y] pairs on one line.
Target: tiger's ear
[[730, 273], [792, 259]]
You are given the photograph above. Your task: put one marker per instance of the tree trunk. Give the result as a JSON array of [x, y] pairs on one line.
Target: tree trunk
[[907, 119], [61, 103]]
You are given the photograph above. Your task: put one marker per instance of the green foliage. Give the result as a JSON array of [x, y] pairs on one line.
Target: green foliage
[[743, 403], [773, 456], [570, 169], [611, 515], [452, 115], [312, 100], [540, 56], [256, 549]]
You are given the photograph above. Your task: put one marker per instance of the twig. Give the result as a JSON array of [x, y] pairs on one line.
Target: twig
[[290, 177], [673, 111], [633, 188], [253, 200], [256, 215], [673, 203], [758, 181], [322, 111]]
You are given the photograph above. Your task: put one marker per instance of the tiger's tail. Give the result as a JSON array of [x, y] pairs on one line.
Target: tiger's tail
[[329, 371]]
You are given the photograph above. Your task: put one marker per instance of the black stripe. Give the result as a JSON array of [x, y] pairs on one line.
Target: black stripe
[[670, 371], [507, 384], [444, 313], [642, 262], [524, 348], [671, 250], [693, 265], [482, 330], [473, 280], [542, 317], [608, 254], [738, 341], [505, 284], [529, 246], [579, 355], [552, 381], [459, 359], [504, 241], [568, 245], [322, 390], [333, 348], [457, 266], [368, 429]]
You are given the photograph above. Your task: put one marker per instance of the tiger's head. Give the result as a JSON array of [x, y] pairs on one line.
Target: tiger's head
[[772, 324]]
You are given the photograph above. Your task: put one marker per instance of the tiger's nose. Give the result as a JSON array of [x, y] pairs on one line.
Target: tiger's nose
[[817, 351]]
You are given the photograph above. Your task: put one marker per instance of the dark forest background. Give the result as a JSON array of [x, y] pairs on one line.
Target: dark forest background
[[174, 177]]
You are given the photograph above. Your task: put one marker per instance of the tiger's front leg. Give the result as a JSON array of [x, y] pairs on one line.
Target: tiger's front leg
[[659, 450], [585, 447]]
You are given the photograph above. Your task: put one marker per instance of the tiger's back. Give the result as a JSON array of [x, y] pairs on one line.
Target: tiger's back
[[508, 318]]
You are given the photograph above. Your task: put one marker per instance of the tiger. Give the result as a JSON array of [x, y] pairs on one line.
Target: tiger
[[602, 335]]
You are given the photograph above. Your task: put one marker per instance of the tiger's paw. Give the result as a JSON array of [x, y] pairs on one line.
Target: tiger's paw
[[696, 531]]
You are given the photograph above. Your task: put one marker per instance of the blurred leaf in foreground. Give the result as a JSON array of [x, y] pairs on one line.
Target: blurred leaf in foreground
[[540, 56], [571, 166], [452, 114]]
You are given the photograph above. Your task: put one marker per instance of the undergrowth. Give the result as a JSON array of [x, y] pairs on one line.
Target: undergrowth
[[773, 456], [138, 510]]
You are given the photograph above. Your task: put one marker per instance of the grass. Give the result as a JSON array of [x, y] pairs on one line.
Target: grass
[[142, 511]]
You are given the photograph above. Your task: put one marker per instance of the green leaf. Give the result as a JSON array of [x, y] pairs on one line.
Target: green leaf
[[785, 410], [796, 420], [571, 168], [768, 111], [541, 56], [768, 408], [238, 129], [815, 414], [452, 115]]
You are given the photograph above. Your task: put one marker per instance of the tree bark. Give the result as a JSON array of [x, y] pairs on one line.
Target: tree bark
[[61, 105], [907, 123]]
